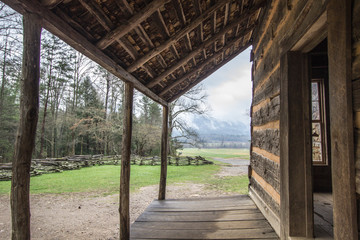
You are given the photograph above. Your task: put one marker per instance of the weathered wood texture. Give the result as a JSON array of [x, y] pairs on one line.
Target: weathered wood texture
[[164, 153], [268, 113], [158, 42], [25, 141], [265, 196], [282, 25], [341, 119], [267, 169], [356, 88], [124, 208], [267, 140], [234, 217], [295, 161]]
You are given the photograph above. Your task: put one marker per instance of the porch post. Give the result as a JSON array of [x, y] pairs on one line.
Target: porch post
[[125, 164], [295, 148], [25, 140], [341, 119], [164, 148]]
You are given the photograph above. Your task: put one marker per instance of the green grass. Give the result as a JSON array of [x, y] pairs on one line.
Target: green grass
[[242, 153], [106, 178]]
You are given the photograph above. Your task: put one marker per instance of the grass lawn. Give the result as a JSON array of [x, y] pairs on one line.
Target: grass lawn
[[242, 153], [105, 179]]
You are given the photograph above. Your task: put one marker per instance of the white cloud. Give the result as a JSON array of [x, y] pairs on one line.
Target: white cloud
[[230, 90]]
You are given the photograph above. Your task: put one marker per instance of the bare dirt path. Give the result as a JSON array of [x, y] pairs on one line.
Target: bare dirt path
[[234, 167], [93, 215]]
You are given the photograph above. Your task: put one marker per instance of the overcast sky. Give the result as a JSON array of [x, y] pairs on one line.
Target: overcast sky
[[229, 90]]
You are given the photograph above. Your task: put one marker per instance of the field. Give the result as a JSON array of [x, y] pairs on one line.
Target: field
[[105, 179], [216, 152]]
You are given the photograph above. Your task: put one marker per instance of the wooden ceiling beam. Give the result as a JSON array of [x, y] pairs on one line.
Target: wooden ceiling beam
[[133, 22], [179, 11], [192, 54], [50, 3], [199, 68], [193, 84], [93, 8], [103, 19], [126, 5], [176, 37], [226, 14], [64, 31]]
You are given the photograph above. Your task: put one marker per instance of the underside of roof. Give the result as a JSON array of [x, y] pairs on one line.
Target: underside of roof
[[164, 47]]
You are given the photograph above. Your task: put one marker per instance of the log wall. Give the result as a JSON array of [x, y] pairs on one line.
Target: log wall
[[284, 23], [356, 86]]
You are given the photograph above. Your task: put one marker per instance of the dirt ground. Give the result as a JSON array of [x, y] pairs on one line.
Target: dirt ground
[[93, 215]]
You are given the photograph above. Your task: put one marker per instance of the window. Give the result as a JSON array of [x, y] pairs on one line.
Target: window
[[318, 122]]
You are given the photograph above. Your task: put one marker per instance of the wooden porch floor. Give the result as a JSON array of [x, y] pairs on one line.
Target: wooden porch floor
[[234, 217]]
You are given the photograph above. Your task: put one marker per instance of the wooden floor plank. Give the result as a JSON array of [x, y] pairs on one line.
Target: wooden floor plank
[[148, 217], [263, 233], [200, 208], [203, 225], [204, 213], [234, 217]]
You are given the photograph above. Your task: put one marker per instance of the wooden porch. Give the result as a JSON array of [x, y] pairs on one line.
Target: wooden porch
[[235, 217]]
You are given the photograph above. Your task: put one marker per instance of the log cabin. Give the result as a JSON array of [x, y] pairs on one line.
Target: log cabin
[[305, 114]]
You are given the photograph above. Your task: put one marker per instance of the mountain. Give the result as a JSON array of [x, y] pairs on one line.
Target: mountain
[[217, 133]]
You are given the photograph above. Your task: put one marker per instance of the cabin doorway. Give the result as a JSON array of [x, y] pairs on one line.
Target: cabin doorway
[[320, 141]]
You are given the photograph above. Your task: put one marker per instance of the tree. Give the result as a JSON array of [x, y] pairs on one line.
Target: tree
[[192, 102]]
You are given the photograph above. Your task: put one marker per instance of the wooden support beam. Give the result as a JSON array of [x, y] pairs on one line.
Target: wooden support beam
[[295, 148], [51, 3], [179, 11], [60, 28], [94, 8], [164, 153], [161, 23], [199, 67], [176, 37], [226, 14], [25, 140], [126, 5], [144, 36], [201, 47], [341, 119], [191, 85], [124, 208], [103, 19], [133, 22]]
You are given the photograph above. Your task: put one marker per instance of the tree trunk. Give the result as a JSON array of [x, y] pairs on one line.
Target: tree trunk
[[3, 82], [25, 141], [125, 164], [42, 138]]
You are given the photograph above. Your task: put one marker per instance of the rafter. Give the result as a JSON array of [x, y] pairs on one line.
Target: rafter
[[133, 22], [191, 85], [94, 8], [64, 31], [179, 11], [50, 3], [198, 50], [226, 14], [199, 68], [176, 37]]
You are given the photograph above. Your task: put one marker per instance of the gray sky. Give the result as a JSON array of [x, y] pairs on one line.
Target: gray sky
[[229, 90]]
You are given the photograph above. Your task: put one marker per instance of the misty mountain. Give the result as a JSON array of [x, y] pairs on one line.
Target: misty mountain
[[217, 133]]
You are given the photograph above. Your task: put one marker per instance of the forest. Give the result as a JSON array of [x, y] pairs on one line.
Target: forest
[[81, 103]]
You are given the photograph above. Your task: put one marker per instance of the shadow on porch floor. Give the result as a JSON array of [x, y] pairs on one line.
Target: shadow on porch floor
[[235, 217]]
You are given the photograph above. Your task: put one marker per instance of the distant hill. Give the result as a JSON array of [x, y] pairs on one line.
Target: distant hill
[[217, 133]]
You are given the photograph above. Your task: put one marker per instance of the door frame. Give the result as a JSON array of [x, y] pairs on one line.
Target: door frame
[[296, 206]]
